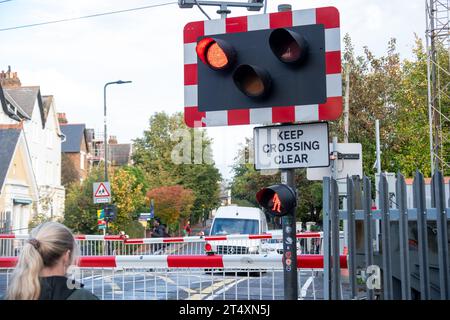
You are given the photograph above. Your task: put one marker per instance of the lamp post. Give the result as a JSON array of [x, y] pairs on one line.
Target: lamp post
[[106, 139]]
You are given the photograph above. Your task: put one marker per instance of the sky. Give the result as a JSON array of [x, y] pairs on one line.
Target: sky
[[73, 60]]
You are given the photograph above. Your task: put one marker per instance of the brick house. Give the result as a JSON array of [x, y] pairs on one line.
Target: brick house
[[76, 148]]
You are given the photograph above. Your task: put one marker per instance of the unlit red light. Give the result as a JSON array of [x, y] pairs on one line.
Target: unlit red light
[[208, 247], [253, 85]]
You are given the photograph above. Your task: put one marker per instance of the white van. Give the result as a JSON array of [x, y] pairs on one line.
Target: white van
[[235, 220]]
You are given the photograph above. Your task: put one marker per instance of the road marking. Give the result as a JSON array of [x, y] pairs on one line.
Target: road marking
[[305, 286], [211, 289], [225, 289], [168, 280]]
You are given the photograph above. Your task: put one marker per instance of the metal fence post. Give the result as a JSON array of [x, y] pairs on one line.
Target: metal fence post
[[400, 187], [334, 213], [351, 237], [442, 237], [326, 238], [368, 244], [422, 235], [385, 238]]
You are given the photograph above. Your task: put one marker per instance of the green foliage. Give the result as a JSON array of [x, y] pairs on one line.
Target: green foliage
[[127, 194], [247, 181], [153, 154], [384, 88], [80, 211]]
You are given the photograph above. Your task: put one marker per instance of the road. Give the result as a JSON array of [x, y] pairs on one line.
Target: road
[[191, 284]]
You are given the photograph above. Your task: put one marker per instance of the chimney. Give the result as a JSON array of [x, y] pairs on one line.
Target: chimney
[[9, 79], [62, 119], [112, 140]]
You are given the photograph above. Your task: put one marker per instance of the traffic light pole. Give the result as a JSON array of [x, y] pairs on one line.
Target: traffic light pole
[[289, 243]]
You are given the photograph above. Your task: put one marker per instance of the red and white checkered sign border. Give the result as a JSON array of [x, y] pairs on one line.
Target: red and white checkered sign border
[[330, 110]]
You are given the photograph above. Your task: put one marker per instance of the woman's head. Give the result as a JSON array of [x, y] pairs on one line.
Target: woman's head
[[50, 244]]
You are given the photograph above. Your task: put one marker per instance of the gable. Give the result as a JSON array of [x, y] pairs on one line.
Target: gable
[[8, 141], [27, 98], [75, 137], [20, 170]]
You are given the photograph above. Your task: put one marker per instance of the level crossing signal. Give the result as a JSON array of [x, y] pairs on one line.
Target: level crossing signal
[[277, 200], [275, 68]]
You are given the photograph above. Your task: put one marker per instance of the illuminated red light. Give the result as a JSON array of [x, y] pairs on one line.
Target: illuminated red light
[[216, 54], [276, 203], [208, 247]]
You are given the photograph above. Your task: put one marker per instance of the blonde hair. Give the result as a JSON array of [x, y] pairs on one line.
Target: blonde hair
[[48, 243]]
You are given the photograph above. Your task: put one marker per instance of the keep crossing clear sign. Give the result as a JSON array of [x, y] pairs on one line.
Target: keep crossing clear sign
[[101, 192], [291, 146]]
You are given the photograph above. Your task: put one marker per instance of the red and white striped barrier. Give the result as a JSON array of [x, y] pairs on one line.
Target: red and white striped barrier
[[77, 237], [250, 262], [303, 235]]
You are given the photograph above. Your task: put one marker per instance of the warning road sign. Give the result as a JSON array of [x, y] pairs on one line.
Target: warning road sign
[[101, 192]]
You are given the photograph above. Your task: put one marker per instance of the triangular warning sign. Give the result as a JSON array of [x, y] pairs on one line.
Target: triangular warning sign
[[101, 192]]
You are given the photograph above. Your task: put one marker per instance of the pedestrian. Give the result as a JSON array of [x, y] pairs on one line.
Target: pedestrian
[[187, 229], [41, 271], [159, 230]]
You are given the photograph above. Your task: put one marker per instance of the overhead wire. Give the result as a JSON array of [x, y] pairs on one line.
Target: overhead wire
[[86, 16], [201, 9]]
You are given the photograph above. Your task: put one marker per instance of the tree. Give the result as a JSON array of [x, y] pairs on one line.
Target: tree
[[172, 204], [80, 211], [154, 154], [247, 181], [128, 196]]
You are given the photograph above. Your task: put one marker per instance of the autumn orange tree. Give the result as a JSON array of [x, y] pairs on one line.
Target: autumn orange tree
[[172, 204]]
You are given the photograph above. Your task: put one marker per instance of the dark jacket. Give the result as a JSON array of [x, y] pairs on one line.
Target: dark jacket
[[159, 231], [55, 288]]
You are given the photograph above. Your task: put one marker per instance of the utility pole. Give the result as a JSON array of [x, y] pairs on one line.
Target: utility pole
[[347, 102]]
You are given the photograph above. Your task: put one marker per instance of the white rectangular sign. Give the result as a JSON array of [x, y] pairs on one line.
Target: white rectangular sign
[[291, 146], [349, 163]]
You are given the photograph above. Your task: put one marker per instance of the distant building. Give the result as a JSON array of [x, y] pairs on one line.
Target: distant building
[[18, 187], [119, 154], [75, 146], [25, 105]]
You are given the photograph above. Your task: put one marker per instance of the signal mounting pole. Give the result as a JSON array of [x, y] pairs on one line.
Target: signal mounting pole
[[289, 228]]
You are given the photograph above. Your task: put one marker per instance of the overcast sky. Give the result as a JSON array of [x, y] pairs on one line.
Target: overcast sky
[[73, 60]]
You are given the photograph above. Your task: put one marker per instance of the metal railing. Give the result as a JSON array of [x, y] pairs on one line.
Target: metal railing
[[230, 277], [97, 245], [393, 253]]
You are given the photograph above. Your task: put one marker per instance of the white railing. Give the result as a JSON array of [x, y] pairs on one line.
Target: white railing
[[228, 277], [97, 245]]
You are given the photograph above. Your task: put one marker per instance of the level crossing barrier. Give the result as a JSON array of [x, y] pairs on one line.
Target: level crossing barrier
[[97, 245], [189, 277]]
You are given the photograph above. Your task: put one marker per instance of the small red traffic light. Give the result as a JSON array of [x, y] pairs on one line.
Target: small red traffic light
[[215, 53], [253, 81], [276, 203], [288, 46], [277, 200]]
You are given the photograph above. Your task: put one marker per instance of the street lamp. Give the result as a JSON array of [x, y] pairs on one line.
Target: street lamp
[[106, 140], [104, 120]]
